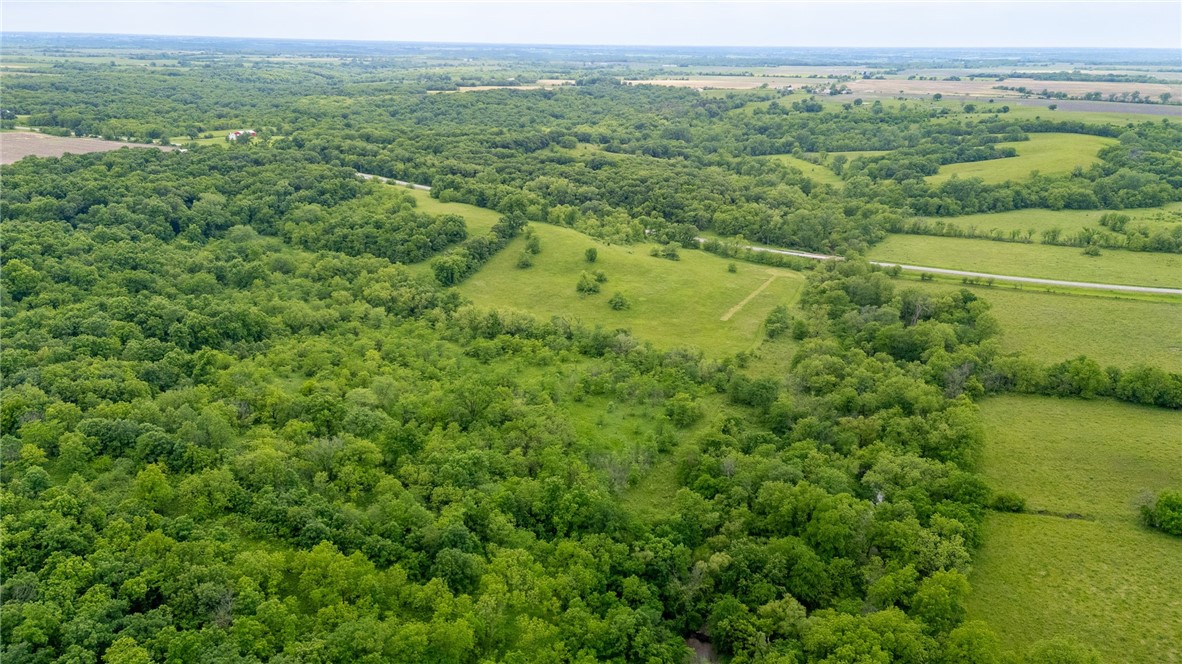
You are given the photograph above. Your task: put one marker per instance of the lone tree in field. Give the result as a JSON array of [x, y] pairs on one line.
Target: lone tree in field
[[592, 254]]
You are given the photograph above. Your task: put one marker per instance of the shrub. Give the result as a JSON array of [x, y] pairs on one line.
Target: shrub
[[1164, 512], [1008, 501], [526, 259], [587, 284], [668, 252], [732, 268], [778, 322], [683, 410], [592, 254], [619, 302]]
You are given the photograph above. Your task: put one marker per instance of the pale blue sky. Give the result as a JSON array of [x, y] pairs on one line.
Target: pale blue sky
[[957, 23]]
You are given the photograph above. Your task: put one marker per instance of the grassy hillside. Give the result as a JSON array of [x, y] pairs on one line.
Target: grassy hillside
[[673, 303], [1114, 331], [817, 173], [1102, 577], [1033, 260], [1046, 153]]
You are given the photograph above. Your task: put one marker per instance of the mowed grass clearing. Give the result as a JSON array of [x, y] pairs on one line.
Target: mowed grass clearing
[[673, 303], [1052, 327], [1045, 153], [479, 220], [1104, 579], [819, 174], [1136, 268]]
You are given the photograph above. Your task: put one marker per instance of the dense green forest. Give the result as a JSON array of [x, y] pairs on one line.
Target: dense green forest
[[246, 417]]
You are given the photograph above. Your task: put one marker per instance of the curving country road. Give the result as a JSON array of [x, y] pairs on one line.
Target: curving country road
[[401, 183], [910, 268]]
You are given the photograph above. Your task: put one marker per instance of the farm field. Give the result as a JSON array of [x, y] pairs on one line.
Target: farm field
[[1046, 153], [817, 173], [729, 82], [673, 303], [1069, 221], [852, 154], [1114, 331], [986, 87], [1032, 260], [1103, 578], [16, 145], [1099, 112]]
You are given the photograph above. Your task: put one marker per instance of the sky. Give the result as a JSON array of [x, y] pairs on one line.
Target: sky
[[925, 23]]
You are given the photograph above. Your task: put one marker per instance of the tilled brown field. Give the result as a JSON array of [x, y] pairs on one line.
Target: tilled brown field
[[16, 145]]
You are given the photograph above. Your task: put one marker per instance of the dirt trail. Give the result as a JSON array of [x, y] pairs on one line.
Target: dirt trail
[[735, 309]]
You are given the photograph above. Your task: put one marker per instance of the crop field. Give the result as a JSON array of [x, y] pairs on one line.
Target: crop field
[[852, 154], [817, 173], [1068, 221], [1046, 153], [1033, 260], [673, 303], [16, 145], [1098, 576], [729, 82], [983, 87], [1112, 330], [1093, 112]]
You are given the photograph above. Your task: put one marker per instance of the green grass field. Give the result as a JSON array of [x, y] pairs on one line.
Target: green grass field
[[1032, 260], [673, 303], [1052, 327], [479, 220], [819, 174], [1102, 579], [1068, 221], [1046, 153]]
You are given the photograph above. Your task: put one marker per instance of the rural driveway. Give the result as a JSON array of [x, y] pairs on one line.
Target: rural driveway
[[904, 266]]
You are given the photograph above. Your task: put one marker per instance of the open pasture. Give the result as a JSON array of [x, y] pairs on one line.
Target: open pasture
[[1046, 153], [1115, 587], [672, 303], [1112, 330], [16, 145], [1032, 260], [1098, 576], [1068, 221]]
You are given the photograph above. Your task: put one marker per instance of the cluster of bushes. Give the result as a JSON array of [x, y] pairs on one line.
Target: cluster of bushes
[[1164, 512], [459, 263], [1084, 377]]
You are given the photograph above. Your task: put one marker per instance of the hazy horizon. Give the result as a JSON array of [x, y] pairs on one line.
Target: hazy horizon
[[1144, 24]]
